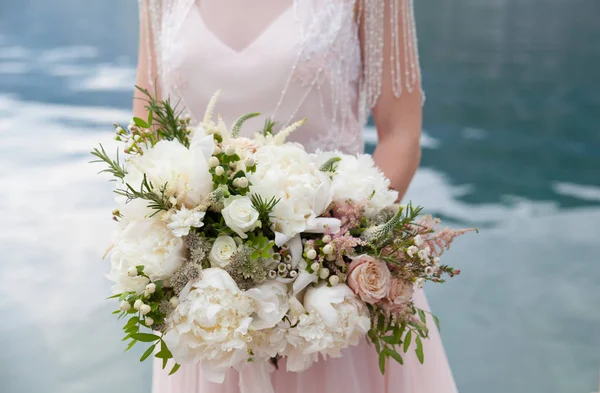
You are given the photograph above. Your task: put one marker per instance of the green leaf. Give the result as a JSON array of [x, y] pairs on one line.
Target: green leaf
[[131, 344], [140, 123], [422, 315], [390, 340], [382, 362], [266, 254], [398, 330], [147, 353], [114, 296], [175, 368], [330, 165], [116, 312], [396, 356], [436, 320], [419, 349], [407, 339], [145, 337], [149, 118]]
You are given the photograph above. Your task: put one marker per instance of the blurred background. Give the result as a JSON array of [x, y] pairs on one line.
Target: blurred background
[[511, 145]]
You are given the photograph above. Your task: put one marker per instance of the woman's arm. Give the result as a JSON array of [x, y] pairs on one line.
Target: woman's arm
[[146, 69], [398, 116]]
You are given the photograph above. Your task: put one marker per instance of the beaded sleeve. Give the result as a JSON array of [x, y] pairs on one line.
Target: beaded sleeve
[[389, 35]]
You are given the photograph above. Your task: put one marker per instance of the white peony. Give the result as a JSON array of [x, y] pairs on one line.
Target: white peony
[[336, 319], [215, 322], [144, 242], [358, 179], [240, 216], [288, 173], [222, 250], [210, 325], [184, 171], [181, 221]]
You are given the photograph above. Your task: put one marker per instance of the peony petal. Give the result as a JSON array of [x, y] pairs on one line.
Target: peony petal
[[281, 239], [320, 299], [295, 245], [202, 144], [302, 281], [323, 224]]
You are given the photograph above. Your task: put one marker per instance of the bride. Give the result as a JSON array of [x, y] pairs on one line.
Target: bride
[[333, 62]]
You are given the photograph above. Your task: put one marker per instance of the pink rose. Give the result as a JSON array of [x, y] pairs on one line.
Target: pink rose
[[399, 295], [369, 278]]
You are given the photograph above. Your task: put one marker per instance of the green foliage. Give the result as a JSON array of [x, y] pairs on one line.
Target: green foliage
[[237, 126], [262, 247], [164, 118], [268, 128], [114, 166], [158, 200], [330, 165], [264, 208]]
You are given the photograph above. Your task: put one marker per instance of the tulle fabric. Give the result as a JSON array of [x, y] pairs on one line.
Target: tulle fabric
[[301, 61]]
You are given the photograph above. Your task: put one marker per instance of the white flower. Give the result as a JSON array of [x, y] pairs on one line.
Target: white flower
[[429, 270], [411, 251], [240, 216], [145, 309], [423, 255], [149, 321], [222, 251], [125, 306], [184, 171], [184, 219], [358, 179], [336, 319], [289, 174], [138, 304], [419, 241], [148, 243], [215, 322], [436, 261], [151, 288]]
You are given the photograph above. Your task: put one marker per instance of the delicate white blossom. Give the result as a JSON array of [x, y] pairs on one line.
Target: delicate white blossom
[[183, 220], [357, 178], [411, 251], [148, 243], [240, 216], [222, 251]]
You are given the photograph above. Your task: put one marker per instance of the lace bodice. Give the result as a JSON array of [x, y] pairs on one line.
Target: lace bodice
[[322, 60]]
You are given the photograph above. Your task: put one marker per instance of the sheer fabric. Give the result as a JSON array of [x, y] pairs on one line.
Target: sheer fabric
[[293, 59]]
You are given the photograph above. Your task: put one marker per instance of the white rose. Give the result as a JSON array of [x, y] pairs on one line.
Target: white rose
[[144, 242], [184, 219], [222, 251], [184, 171], [358, 179], [288, 173], [240, 216], [336, 319]]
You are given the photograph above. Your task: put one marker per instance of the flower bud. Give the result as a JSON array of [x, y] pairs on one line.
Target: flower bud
[[429, 270], [249, 161], [311, 254], [328, 249], [217, 150], [145, 309], [174, 301], [149, 321], [138, 304], [229, 150], [236, 182], [132, 272], [333, 257], [293, 273], [324, 273], [125, 306], [315, 266], [219, 170], [342, 277], [272, 274], [213, 162], [419, 241], [151, 288], [242, 182], [326, 239], [334, 280], [436, 261]]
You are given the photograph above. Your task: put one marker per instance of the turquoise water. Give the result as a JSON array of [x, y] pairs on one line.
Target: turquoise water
[[512, 146]]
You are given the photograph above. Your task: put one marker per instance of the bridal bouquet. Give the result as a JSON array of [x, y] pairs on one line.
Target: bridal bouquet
[[230, 250]]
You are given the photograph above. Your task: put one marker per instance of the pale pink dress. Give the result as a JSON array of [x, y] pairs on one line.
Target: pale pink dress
[[293, 59]]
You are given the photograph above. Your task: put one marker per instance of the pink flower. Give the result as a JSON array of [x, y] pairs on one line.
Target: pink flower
[[369, 278], [399, 295]]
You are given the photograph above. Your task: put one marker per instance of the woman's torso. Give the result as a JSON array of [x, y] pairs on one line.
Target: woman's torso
[[287, 59]]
